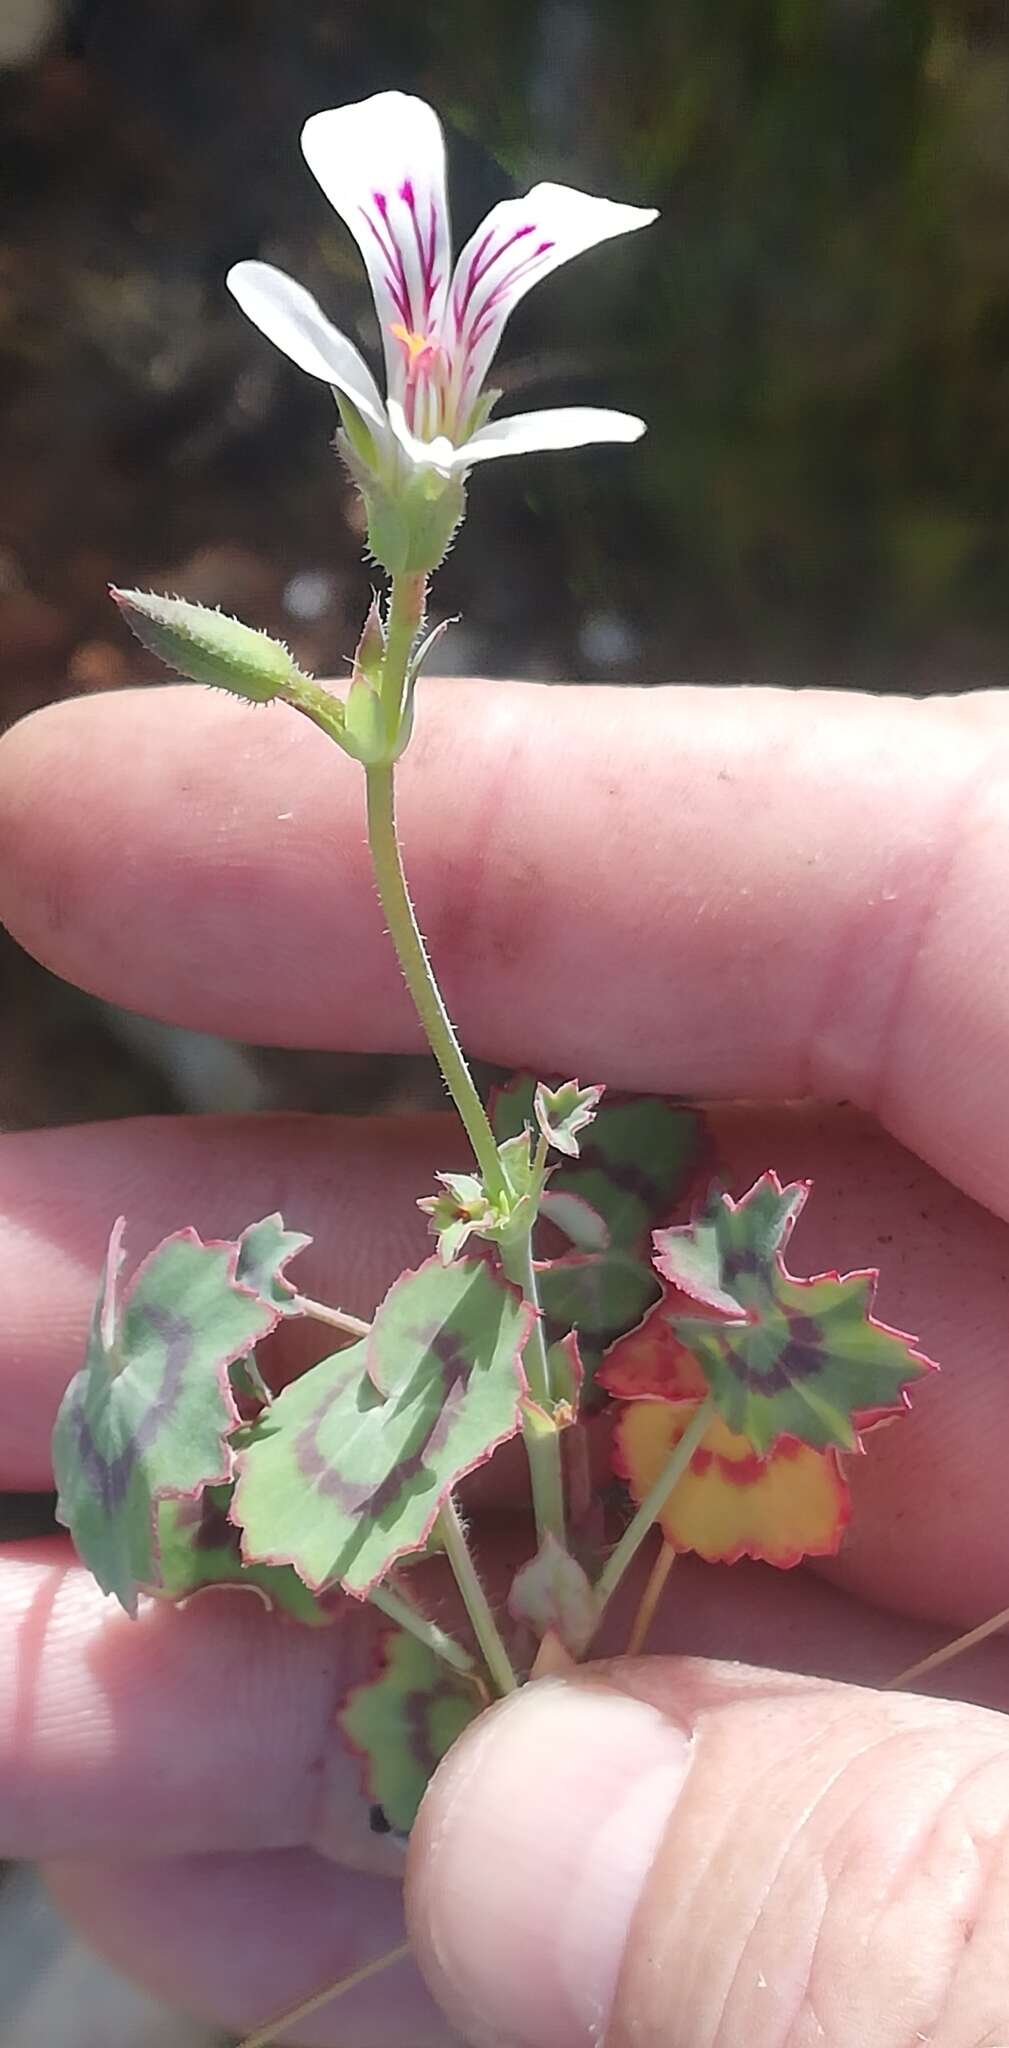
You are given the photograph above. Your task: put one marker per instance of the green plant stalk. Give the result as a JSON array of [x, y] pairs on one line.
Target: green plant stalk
[[651, 1507], [449, 1531], [406, 606], [407, 599], [542, 1451], [399, 1610], [419, 975]]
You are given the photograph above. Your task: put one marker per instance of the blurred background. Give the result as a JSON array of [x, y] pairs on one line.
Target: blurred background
[[817, 332]]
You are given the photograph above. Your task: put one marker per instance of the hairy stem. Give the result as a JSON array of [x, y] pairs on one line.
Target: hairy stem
[[542, 1450], [406, 1616], [450, 1531], [651, 1507], [407, 598], [419, 975]]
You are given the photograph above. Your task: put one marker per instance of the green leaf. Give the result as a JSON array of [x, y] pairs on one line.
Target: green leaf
[[151, 1412], [783, 1357], [209, 647], [562, 1112], [264, 1250], [349, 1467], [199, 1546], [401, 1723], [598, 1295], [582, 1225], [553, 1592], [723, 1257], [640, 1159]]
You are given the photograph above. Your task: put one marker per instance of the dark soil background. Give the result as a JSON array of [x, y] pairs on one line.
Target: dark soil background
[[817, 332]]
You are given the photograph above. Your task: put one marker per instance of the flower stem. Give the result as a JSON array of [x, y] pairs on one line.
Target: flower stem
[[651, 1507], [419, 975], [406, 605], [449, 1529], [407, 598], [408, 1617], [543, 1450]]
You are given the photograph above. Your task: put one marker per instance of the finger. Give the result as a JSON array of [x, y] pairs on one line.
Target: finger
[[112, 1731], [726, 893], [928, 1535], [238, 1940], [681, 1853], [214, 1727], [350, 1182]]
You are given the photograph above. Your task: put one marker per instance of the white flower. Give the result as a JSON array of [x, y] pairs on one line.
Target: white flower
[[381, 164]]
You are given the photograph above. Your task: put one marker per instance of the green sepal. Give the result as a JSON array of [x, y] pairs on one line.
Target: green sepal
[[209, 647], [412, 517], [402, 1722], [562, 1112], [803, 1359], [359, 437]]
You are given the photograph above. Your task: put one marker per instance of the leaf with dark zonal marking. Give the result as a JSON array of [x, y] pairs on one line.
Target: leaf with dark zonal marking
[[782, 1357], [401, 1723], [349, 1467], [730, 1503], [264, 1252], [578, 1221], [150, 1414], [199, 1547], [596, 1295]]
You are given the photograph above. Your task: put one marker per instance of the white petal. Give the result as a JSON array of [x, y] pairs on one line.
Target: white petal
[[381, 163], [521, 241], [438, 454], [289, 317], [567, 426]]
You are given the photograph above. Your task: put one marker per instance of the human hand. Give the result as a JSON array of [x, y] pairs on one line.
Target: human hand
[[735, 895]]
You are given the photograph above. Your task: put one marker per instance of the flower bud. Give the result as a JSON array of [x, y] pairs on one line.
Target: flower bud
[[208, 647]]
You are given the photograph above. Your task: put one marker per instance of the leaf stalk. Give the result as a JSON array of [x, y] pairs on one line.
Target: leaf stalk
[[451, 1534], [651, 1507]]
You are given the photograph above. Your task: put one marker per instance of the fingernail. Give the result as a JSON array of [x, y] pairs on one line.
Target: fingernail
[[530, 1856]]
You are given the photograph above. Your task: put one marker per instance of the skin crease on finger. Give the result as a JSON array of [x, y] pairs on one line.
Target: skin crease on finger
[[804, 888]]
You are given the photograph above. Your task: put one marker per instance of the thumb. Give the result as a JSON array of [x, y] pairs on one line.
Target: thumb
[[678, 1854]]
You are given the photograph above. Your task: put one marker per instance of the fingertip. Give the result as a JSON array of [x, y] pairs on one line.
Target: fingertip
[[529, 1855]]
